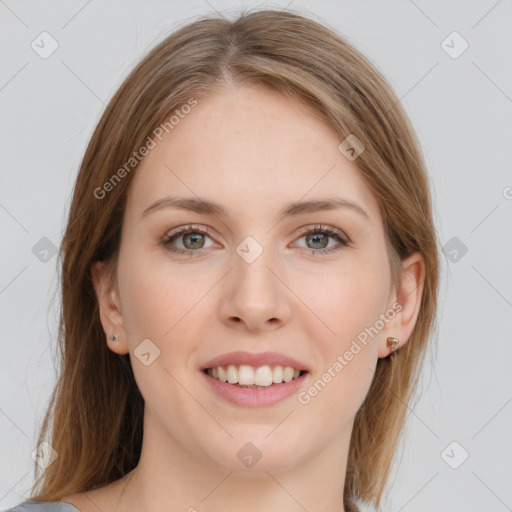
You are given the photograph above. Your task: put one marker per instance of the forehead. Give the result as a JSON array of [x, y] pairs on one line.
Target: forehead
[[246, 148]]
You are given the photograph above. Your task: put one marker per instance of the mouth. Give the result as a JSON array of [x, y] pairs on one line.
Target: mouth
[[249, 386], [250, 377]]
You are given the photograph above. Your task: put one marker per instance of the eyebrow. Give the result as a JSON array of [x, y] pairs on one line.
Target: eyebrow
[[291, 210]]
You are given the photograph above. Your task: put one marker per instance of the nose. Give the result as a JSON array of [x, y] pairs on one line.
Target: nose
[[254, 295]]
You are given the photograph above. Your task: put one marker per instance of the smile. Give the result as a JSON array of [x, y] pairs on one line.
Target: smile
[[254, 395], [254, 377]]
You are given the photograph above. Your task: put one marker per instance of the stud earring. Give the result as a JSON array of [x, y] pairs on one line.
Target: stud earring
[[114, 337], [393, 342]]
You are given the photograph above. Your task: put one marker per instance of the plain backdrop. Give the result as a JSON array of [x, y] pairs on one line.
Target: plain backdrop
[[449, 63]]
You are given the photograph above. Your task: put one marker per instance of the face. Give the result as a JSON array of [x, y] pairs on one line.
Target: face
[[247, 278]]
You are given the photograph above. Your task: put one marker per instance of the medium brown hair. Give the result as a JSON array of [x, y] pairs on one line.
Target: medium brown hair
[[94, 419]]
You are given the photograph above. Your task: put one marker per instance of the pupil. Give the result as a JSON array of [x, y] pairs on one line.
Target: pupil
[[315, 237], [194, 237]]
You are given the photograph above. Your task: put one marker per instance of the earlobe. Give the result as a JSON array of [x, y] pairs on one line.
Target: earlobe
[[409, 295], [109, 307]]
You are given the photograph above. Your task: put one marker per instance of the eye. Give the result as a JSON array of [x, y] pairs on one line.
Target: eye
[[319, 236], [193, 240]]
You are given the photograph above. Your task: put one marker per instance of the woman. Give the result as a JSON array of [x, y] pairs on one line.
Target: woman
[[249, 281]]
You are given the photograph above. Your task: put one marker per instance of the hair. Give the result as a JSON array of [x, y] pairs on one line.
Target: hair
[[95, 413]]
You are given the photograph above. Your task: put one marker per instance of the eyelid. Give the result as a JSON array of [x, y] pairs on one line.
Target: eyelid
[[188, 227], [324, 227]]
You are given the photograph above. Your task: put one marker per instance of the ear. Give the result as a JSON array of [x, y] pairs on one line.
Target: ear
[[111, 317], [407, 301]]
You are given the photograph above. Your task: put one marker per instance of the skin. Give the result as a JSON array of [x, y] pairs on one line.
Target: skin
[[263, 151]]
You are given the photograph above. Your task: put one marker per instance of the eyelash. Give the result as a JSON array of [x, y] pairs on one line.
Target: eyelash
[[309, 230]]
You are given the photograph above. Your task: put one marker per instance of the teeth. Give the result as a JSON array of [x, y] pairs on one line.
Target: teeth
[[232, 374], [263, 376], [288, 374], [245, 375], [277, 376]]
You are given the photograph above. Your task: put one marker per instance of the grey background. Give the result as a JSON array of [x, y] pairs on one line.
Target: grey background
[[461, 109]]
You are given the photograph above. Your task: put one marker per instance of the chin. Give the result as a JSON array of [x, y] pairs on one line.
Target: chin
[[249, 454]]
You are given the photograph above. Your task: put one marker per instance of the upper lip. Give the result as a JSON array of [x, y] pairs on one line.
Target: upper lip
[[254, 359]]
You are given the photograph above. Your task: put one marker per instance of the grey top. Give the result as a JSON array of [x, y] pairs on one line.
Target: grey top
[[59, 506], [48, 506]]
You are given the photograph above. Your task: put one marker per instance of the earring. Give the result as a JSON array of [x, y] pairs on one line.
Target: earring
[[114, 337], [393, 342]]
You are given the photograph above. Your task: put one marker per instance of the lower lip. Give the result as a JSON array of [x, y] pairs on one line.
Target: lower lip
[[255, 397]]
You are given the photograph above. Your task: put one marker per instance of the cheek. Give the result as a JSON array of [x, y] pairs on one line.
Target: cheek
[[158, 305], [156, 298], [345, 303], [345, 299]]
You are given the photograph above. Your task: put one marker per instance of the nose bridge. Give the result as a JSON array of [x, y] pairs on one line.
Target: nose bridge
[[255, 294], [252, 263]]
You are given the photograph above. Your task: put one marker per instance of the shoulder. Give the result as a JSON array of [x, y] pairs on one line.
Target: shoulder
[[103, 498], [47, 506]]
